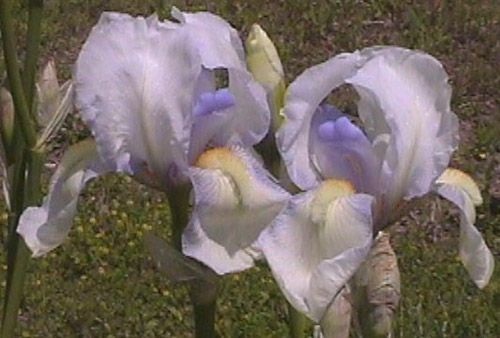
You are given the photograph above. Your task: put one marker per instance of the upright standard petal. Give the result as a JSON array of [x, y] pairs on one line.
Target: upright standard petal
[[134, 83], [235, 198], [219, 47], [316, 244], [44, 228], [406, 94], [302, 99], [477, 258]]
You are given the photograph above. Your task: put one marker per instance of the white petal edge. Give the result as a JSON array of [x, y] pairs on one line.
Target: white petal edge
[[196, 244], [44, 228], [302, 98], [474, 253]]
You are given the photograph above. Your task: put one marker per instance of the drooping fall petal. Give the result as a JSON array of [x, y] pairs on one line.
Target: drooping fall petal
[[317, 243], [44, 228], [477, 258], [235, 199]]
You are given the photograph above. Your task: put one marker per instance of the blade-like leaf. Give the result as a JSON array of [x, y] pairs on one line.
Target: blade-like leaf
[[49, 93], [63, 109], [174, 264]]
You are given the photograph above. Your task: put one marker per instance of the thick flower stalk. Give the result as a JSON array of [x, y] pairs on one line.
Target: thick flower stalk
[[401, 154]]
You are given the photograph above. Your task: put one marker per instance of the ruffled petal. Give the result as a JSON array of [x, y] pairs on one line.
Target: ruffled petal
[[44, 228], [477, 258], [134, 82], [235, 198], [316, 244], [303, 97], [196, 244], [219, 47], [407, 92]]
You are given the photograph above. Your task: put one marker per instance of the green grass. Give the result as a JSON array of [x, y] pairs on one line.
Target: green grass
[[101, 283]]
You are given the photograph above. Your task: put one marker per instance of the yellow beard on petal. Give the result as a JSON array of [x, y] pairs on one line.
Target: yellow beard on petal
[[328, 191], [458, 178], [327, 212], [224, 160], [234, 169]]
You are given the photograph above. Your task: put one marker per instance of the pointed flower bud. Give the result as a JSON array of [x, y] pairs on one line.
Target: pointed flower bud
[[48, 93], [378, 289], [265, 65], [6, 117]]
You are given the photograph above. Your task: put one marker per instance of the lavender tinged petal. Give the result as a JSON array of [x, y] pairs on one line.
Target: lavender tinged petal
[[302, 100], [406, 93], [211, 115], [340, 150], [134, 80]]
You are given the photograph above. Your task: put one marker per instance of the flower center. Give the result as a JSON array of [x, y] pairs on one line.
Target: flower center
[[340, 129], [327, 192], [210, 102], [231, 166]]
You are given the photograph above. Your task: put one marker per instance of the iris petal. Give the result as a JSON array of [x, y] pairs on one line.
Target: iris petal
[[340, 150], [477, 258], [313, 259], [235, 198], [408, 93], [219, 47], [302, 100], [44, 228], [196, 244], [133, 81]]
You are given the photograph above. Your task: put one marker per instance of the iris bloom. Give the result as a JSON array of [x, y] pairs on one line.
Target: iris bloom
[[150, 94], [357, 181]]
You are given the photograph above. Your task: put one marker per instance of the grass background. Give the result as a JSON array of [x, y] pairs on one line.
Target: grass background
[[101, 282]]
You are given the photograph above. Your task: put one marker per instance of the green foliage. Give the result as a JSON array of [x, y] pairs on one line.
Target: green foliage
[[102, 283]]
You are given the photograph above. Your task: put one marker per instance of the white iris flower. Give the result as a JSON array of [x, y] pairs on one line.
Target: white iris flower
[[149, 92], [356, 182]]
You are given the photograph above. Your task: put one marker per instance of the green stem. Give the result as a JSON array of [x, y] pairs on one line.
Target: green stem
[[296, 322], [204, 319], [203, 310], [23, 193], [32, 47], [18, 253], [178, 200], [23, 115]]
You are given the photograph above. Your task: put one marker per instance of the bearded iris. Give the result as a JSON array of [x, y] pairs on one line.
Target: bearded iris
[[150, 93], [402, 154]]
